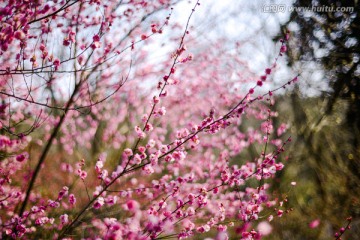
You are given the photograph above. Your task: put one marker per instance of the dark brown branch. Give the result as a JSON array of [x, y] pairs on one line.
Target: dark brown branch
[[54, 13]]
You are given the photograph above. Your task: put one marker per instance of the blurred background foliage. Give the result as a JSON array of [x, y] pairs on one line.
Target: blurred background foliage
[[324, 156]]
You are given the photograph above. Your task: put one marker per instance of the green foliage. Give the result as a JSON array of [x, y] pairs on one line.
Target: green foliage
[[322, 161]]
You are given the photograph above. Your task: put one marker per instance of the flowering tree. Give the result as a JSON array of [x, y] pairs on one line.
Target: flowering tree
[[98, 139]]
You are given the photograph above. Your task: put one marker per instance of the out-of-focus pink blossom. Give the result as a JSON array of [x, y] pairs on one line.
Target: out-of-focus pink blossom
[[315, 223]]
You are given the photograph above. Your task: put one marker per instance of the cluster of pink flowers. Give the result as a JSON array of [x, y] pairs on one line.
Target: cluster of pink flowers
[[87, 151]]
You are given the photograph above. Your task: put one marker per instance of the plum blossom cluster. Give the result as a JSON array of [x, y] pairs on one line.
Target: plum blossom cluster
[[342, 230], [13, 160], [123, 164], [17, 227]]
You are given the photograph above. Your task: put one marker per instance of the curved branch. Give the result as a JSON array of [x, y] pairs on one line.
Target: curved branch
[[54, 13]]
